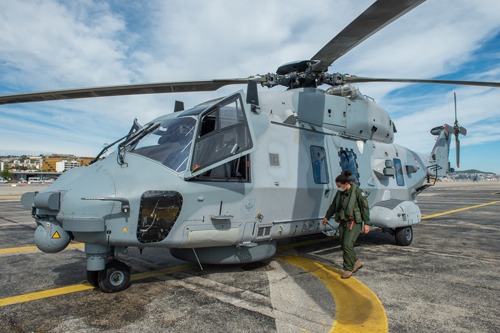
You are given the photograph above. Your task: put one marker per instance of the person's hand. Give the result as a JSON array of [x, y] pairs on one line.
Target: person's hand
[[366, 229], [323, 222]]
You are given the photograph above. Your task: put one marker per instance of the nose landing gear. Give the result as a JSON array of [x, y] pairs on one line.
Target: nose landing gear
[[115, 277]]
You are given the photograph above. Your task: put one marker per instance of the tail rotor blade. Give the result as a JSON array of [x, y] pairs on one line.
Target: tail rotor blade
[[457, 148]]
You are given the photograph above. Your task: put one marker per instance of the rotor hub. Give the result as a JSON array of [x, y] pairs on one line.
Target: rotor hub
[[300, 74]]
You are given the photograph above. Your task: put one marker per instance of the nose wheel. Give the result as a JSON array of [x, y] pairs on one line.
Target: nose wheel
[[93, 278], [115, 277]]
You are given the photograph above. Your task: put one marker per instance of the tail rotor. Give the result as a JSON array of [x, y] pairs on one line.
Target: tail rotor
[[457, 130]]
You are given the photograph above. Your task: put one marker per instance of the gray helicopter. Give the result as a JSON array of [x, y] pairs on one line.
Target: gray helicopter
[[227, 178]]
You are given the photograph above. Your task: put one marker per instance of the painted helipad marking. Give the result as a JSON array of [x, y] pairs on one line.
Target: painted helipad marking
[[358, 308], [135, 277], [458, 210], [32, 248]]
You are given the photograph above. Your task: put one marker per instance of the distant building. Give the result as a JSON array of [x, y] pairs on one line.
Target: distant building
[[49, 162], [84, 161], [65, 165], [66, 162], [1, 166]]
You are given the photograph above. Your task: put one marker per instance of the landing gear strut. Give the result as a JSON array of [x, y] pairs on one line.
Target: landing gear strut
[[105, 272], [115, 277]]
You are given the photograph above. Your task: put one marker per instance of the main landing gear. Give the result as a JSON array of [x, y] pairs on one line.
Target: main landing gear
[[403, 235], [115, 277]]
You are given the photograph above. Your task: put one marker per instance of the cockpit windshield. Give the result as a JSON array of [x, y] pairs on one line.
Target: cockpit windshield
[[170, 144]]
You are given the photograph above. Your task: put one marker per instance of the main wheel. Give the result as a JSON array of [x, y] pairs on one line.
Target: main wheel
[[404, 236], [115, 277], [93, 278]]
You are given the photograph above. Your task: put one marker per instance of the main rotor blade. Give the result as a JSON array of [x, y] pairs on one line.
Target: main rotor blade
[[133, 89], [376, 17], [358, 79], [455, 98]]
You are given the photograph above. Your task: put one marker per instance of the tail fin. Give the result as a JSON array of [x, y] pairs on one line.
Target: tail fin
[[441, 151]]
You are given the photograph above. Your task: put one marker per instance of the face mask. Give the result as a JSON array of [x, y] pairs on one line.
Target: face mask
[[341, 189]]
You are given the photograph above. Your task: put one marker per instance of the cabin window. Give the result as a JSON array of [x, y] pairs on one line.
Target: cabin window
[[319, 165], [223, 132], [237, 170], [398, 166], [348, 162]]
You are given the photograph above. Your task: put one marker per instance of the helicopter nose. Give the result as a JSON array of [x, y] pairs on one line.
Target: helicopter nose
[[84, 183], [60, 212]]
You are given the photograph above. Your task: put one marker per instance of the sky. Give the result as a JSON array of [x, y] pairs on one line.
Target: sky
[[51, 45]]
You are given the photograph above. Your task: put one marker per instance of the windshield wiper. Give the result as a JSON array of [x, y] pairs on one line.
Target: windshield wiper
[[105, 149], [133, 139], [134, 130]]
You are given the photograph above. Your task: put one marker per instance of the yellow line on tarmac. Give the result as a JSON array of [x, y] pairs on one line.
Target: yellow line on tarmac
[[459, 210], [84, 286], [10, 197], [44, 294], [495, 193], [32, 248], [358, 308]]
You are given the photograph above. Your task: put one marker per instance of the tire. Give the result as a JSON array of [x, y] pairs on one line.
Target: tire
[[115, 277], [404, 236], [93, 278]]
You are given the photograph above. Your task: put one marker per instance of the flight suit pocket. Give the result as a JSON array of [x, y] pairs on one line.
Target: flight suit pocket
[[357, 215]]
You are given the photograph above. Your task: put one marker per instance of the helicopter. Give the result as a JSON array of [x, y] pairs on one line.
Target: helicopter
[[228, 178]]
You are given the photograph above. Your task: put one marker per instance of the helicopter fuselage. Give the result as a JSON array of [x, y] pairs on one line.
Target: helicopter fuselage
[[296, 143]]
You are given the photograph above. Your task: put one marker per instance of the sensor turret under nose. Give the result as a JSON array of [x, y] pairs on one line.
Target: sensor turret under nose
[[50, 237]]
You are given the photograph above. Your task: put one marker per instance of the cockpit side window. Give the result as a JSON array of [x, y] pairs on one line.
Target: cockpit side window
[[230, 114], [208, 123], [233, 171], [223, 132]]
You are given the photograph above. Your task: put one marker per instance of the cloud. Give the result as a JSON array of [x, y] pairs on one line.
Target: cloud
[[53, 44]]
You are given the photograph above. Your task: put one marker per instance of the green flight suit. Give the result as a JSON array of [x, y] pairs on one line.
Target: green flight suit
[[350, 209]]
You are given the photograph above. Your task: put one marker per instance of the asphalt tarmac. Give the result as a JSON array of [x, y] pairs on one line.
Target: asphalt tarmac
[[446, 281]]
